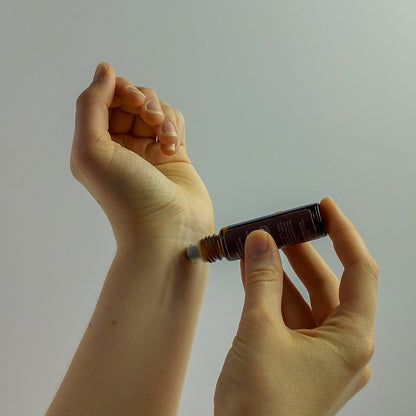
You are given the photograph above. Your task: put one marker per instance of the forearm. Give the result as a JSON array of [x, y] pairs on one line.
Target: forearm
[[133, 356]]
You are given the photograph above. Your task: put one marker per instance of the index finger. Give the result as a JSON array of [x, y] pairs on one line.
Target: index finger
[[127, 95], [358, 286]]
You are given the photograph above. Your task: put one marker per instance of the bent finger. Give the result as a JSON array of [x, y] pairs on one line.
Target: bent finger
[[168, 133], [319, 280], [296, 312], [358, 287], [126, 94]]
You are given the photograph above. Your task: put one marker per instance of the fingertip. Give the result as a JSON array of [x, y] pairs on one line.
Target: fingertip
[[154, 110], [327, 204], [101, 70], [260, 250], [327, 201], [101, 89], [331, 214], [127, 96], [347, 241], [168, 149], [93, 103], [257, 244], [169, 129], [136, 94]]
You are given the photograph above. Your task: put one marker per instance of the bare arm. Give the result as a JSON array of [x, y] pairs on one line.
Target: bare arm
[[133, 356]]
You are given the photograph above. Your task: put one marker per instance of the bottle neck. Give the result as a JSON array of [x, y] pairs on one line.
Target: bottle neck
[[211, 248]]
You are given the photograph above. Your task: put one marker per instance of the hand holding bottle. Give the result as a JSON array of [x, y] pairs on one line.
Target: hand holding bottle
[[291, 359]]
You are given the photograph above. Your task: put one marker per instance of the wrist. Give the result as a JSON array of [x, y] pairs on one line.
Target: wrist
[[159, 268], [160, 241], [185, 222], [147, 251]]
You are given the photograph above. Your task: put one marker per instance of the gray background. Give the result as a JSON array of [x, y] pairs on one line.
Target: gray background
[[285, 102]]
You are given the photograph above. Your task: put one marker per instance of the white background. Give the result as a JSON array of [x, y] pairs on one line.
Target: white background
[[285, 102]]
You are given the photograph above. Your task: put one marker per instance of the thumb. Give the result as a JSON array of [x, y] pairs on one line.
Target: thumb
[[262, 274], [91, 121]]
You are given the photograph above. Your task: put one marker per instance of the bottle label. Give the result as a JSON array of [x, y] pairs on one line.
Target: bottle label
[[286, 227]]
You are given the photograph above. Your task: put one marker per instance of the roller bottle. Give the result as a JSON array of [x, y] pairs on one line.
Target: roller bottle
[[287, 228]]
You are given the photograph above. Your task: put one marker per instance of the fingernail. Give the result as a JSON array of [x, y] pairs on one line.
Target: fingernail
[[169, 129], [171, 147], [153, 107], [133, 88], [256, 244], [100, 71]]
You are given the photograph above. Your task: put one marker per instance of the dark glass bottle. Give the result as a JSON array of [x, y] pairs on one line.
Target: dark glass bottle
[[289, 227]]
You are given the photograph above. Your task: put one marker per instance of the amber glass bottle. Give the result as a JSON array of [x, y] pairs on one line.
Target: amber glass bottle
[[289, 227]]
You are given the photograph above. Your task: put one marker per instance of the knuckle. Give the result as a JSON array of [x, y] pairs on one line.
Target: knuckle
[[361, 379], [123, 80], [365, 350], [165, 105], [357, 352], [148, 92], [180, 120], [354, 344], [73, 167], [264, 319], [84, 99], [261, 275], [77, 160], [179, 115], [261, 322], [367, 265], [364, 377], [167, 110], [373, 267]]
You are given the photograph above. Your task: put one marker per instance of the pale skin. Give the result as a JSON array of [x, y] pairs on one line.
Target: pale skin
[[133, 357], [288, 358]]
